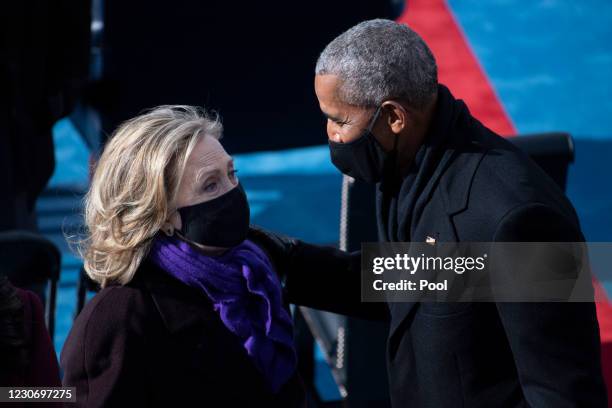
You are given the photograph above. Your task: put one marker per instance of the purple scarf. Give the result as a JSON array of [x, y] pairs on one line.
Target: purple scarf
[[245, 291]]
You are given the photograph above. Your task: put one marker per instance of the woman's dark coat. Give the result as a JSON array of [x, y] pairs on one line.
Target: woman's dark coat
[[159, 342]]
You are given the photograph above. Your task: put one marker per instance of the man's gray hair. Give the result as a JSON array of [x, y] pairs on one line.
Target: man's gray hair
[[378, 60]]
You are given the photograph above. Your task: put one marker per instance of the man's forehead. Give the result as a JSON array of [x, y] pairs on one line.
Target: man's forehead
[[328, 80], [326, 87]]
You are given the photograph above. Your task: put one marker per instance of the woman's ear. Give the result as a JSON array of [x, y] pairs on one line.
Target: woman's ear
[[168, 228], [173, 223]]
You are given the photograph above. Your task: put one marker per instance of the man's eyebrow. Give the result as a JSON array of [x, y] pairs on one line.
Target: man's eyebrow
[[331, 117]]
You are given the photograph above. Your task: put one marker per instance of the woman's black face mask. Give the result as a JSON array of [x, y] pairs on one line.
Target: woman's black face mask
[[364, 158], [221, 222]]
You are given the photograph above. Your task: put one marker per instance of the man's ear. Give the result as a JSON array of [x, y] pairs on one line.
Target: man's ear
[[397, 116]]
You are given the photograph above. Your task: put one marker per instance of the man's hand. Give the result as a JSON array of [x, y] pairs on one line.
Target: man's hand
[[279, 247]]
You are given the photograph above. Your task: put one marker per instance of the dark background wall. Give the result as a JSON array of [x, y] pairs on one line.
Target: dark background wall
[[253, 62]]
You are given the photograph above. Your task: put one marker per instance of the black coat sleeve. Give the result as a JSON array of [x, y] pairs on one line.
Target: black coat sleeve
[[326, 278], [556, 346]]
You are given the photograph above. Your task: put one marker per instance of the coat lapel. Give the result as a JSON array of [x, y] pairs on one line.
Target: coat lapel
[[179, 306], [443, 229], [453, 179], [183, 308]]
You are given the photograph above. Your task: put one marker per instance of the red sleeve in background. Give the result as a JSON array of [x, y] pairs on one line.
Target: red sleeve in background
[[44, 368]]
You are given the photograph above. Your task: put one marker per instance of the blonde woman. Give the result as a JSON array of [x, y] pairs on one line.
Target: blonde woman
[[191, 312]]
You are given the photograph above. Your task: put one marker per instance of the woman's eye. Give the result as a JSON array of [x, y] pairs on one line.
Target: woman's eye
[[210, 187]]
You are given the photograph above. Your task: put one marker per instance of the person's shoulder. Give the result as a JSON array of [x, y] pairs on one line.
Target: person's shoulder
[[114, 308], [117, 302], [505, 184], [115, 313], [33, 313], [500, 155], [31, 303], [510, 177], [485, 168]]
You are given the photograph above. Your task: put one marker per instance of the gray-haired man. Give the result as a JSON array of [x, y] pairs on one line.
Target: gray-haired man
[[442, 175]]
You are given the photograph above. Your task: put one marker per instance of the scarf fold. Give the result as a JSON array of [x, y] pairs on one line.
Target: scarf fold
[[245, 292]]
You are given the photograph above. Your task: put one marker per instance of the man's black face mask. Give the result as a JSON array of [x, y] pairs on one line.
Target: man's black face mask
[[364, 158], [222, 222]]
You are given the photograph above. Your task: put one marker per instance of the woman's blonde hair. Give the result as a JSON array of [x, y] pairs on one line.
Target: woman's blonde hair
[[135, 185]]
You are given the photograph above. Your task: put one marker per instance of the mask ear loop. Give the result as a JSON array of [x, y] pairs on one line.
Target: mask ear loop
[[373, 122], [374, 119], [393, 180], [395, 143], [171, 230]]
